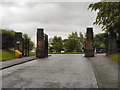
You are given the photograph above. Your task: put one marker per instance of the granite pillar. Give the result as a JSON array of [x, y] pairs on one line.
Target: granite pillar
[[89, 51], [40, 52]]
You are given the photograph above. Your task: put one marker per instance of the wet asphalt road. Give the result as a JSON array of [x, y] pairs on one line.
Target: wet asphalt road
[[56, 71]]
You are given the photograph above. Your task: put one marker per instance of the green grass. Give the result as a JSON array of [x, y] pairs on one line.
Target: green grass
[[115, 57], [66, 53], [32, 53], [12, 49], [6, 55]]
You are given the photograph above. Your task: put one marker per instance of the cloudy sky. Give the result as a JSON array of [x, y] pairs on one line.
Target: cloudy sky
[[57, 18]]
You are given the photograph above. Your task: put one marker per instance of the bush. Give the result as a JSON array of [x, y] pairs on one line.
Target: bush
[[7, 38]]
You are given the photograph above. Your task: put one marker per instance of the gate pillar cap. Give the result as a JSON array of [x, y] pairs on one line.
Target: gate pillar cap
[[89, 27], [18, 33], [38, 28]]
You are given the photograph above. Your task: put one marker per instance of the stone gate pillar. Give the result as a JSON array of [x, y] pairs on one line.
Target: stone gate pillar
[[40, 52], [89, 51], [18, 41], [46, 45]]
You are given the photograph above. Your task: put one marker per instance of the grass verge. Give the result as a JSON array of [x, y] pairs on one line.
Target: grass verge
[[115, 57], [6, 55], [32, 53]]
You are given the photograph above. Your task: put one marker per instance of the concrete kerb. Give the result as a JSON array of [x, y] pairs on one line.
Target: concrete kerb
[[14, 64]]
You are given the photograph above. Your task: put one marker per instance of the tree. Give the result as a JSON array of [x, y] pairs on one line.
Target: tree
[[57, 47], [56, 39], [82, 40], [108, 15], [99, 40], [72, 44], [31, 44], [50, 45], [25, 36], [57, 44], [68, 45]]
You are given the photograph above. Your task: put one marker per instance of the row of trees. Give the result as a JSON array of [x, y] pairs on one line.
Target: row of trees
[[8, 37], [74, 43]]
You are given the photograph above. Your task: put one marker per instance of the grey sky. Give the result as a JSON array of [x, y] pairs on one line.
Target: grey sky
[[57, 18]]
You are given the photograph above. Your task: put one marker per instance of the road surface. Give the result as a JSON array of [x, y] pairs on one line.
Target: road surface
[[56, 71]]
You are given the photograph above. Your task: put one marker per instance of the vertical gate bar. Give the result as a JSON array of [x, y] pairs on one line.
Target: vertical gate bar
[[25, 47]]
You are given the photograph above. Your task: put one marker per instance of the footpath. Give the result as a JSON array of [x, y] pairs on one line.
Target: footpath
[[13, 62], [105, 70]]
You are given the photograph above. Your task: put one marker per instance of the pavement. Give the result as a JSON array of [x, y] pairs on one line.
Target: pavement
[[13, 62], [57, 71], [106, 71], [62, 71]]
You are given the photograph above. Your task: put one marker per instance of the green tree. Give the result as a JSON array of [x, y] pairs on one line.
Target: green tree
[[108, 15], [68, 45], [25, 36], [57, 47], [82, 40], [99, 40], [57, 44], [72, 44], [31, 43], [56, 39]]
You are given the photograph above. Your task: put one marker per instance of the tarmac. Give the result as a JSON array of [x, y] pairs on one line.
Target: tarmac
[[60, 71], [106, 71], [56, 71]]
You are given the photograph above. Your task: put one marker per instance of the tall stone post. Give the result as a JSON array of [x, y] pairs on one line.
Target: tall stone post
[[40, 52], [18, 41], [89, 51], [46, 45]]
